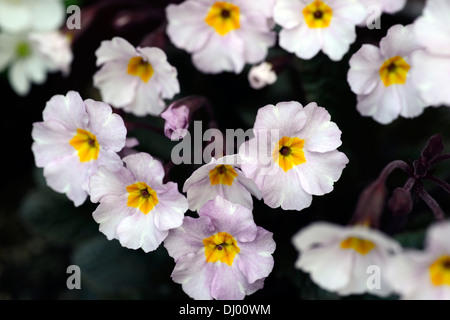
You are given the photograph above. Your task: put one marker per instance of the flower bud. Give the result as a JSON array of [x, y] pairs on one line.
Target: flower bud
[[262, 75], [401, 202]]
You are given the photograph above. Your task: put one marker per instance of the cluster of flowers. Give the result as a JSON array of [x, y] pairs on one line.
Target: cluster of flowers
[[293, 156], [31, 43]]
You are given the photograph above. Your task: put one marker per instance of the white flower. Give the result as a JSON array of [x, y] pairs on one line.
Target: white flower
[[37, 15], [135, 206], [74, 140], [293, 155], [135, 79], [31, 56], [381, 77], [337, 257], [262, 75], [431, 72], [424, 275], [222, 36], [311, 26], [220, 177]]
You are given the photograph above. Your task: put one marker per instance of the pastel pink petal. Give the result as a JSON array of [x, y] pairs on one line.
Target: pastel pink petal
[[287, 13], [337, 39], [309, 45], [364, 73], [195, 275], [232, 218], [107, 126], [117, 49], [104, 182], [319, 132], [228, 283], [51, 142], [320, 171], [188, 31], [68, 110], [189, 237], [169, 212], [110, 213], [255, 258], [147, 100], [145, 168], [284, 189], [116, 86], [285, 118], [221, 53], [317, 234], [431, 74], [139, 231], [399, 41]]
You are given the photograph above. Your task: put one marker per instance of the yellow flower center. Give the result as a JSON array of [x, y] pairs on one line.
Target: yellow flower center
[[440, 271], [140, 68], [317, 14], [223, 17], [221, 247], [289, 153], [394, 71], [142, 197], [86, 144], [361, 246], [222, 174]]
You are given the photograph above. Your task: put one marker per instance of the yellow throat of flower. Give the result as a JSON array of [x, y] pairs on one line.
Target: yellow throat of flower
[[86, 144], [289, 153], [440, 271], [139, 68], [317, 14], [362, 246], [142, 197], [394, 71], [223, 17], [221, 247], [222, 174]]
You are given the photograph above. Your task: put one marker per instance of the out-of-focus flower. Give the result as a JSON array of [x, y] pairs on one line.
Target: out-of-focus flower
[[293, 154], [31, 56], [220, 177], [135, 79], [311, 26], [75, 138], [381, 77], [25, 15], [374, 8], [221, 35], [424, 275], [338, 257], [135, 206], [222, 254], [431, 73], [178, 116], [262, 75]]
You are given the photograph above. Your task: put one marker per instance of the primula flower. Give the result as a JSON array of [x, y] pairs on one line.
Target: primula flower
[[381, 77], [311, 26], [293, 154], [31, 56], [75, 138], [24, 15], [262, 75], [135, 206], [220, 177], [135, 79], [338, 257], [221, 35], [424, 274], [222, 254], [431, 72]]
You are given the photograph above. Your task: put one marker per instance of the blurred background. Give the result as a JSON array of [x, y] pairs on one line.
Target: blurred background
[[42, 233]]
